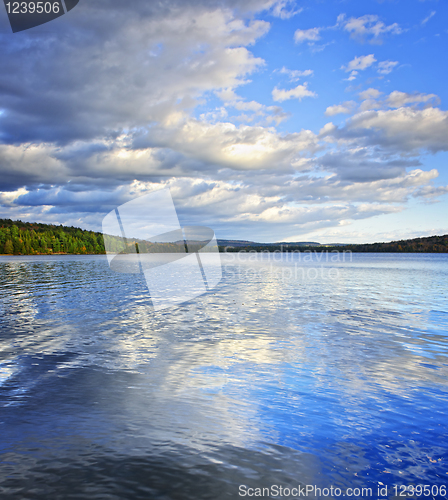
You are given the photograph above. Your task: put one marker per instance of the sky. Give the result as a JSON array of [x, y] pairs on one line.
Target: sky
[[269, 120]]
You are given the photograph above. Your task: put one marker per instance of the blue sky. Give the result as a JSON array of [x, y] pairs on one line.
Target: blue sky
[[269, 120]]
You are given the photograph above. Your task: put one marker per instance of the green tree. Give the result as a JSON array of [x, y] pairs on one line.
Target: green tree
[[17, 244], [56, 245], [8, 248]]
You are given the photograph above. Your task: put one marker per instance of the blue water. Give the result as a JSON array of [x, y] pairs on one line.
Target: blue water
[[294, 371]]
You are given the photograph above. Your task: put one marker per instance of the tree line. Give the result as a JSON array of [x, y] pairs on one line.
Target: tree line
[[429, 244], [32, 238]]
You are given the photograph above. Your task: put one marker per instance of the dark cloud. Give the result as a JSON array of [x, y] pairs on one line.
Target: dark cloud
[[108, 67]]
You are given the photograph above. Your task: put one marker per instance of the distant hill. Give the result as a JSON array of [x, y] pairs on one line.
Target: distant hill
[[243, 243], [33, 238], [429, 244]]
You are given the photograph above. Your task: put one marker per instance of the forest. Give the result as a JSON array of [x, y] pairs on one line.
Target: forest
[[32, 238]]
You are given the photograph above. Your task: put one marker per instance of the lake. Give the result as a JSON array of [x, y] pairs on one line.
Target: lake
[[297, 373]]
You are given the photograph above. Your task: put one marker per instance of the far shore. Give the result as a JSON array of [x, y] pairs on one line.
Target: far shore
[[248, 251]]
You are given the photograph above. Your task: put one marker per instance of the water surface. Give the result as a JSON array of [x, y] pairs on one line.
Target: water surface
[[319, 371]]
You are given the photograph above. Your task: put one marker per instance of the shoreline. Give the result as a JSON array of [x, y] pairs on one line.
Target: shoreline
[[246, 252]]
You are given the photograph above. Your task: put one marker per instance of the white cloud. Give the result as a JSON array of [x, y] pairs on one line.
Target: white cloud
[[315, 48], [266, 114], [277, 115], [429, 17], [397, 99], [248, 106], [215, 115], [311, 34], [295, 74], [370, 93], [327, 130], [198, 146], [340, 21], [228, 95], [344, 108], [431, 192], [298, 92], [360, 63], [368, 27], [284, 9], [385, 67], [369, 104], [404, 130]]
